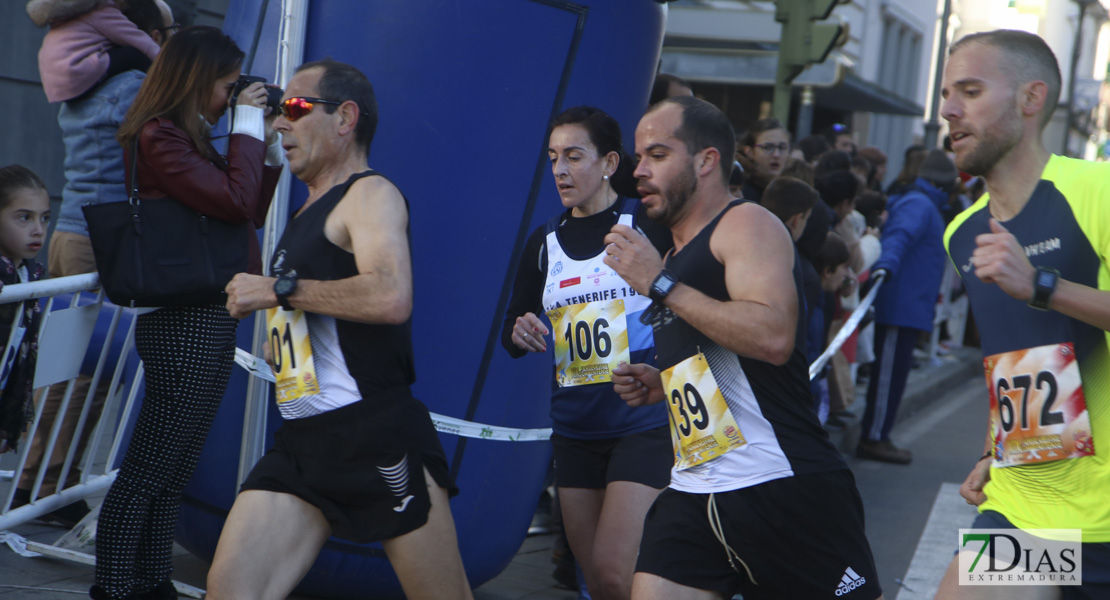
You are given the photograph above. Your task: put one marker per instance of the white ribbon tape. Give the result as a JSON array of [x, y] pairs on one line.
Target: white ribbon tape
[[258, 367]]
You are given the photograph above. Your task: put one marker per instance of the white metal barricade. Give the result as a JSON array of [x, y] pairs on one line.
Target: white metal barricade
[[65, 335]]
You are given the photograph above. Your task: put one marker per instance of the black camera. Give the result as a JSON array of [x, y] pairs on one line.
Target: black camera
[[274, 93]]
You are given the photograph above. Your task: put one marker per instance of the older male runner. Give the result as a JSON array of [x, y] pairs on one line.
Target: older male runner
[[760, 501], [357, 455], [1033, 253]]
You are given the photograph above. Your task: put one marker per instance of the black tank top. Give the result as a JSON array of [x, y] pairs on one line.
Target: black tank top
[[378, 356], [772, 404]]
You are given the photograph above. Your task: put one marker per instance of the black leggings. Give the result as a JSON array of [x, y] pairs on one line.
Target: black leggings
[[187, 353]]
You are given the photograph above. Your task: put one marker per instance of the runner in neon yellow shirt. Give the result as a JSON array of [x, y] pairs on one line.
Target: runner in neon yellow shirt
[[1033, 255]]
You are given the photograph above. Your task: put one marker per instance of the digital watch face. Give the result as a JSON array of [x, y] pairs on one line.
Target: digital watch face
[[663, 286], [284, 287], [1045, 278]]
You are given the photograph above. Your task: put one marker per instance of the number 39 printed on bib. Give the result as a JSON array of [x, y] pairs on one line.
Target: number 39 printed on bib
[[590, 340], [702, 426], [291, 353], [1038, 410]]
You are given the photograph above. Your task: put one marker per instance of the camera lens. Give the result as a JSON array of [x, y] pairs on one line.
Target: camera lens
[[244, 82]]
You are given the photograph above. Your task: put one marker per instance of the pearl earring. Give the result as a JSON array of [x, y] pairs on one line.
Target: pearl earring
[[605, 177]]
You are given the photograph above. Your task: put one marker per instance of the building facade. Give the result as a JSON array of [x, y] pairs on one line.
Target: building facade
[[1086, 44], [877, 82]]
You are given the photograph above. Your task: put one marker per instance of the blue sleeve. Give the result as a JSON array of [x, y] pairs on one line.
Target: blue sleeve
[[126, 96], [904, 227], [815, 328], [527, 293]]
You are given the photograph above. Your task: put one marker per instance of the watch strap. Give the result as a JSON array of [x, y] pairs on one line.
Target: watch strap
[[284, 287]]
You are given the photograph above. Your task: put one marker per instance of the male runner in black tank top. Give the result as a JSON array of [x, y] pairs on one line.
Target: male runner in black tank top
[[359, 418], [760, 501]]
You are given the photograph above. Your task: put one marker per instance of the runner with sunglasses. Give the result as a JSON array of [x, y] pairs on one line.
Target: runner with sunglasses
[[357, 456]]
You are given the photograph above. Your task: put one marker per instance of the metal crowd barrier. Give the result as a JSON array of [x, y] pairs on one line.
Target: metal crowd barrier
[[847, 329], [65, 334]]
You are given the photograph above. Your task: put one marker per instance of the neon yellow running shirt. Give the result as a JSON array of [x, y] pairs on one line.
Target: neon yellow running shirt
[[1060, 474]]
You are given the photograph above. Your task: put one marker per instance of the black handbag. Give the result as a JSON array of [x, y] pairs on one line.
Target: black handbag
[[160, 252]]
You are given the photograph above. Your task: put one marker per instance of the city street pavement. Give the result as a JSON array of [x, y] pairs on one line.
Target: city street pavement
[[912, 511]]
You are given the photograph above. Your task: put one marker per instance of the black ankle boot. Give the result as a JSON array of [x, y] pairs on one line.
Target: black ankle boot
[[162, 591]]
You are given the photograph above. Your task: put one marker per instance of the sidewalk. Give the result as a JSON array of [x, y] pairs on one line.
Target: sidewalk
[[528, 576], [926, 383]]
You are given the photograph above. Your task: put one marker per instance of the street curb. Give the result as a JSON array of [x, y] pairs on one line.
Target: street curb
[[926, 384]]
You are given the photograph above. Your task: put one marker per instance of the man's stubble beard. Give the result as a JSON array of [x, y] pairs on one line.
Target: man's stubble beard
[[677, 196], [997, 140]]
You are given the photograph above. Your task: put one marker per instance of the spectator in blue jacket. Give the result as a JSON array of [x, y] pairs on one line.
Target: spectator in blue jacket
[[913, 262]]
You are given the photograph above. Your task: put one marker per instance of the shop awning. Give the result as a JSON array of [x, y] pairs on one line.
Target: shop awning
[[835, 84]]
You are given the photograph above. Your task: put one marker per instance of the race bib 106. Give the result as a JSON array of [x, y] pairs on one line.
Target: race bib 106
[[1038, 411], [591, 339]]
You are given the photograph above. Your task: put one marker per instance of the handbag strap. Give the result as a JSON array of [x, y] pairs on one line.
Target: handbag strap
[[133, 180], [133, 200]]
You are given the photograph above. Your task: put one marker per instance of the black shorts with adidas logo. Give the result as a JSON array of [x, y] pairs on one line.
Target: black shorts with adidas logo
[[796, 537]]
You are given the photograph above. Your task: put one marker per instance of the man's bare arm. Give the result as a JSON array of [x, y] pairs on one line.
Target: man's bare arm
[[372, 223], [760, 320]]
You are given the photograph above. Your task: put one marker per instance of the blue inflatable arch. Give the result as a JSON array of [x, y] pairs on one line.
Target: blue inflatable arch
[[465, 92]]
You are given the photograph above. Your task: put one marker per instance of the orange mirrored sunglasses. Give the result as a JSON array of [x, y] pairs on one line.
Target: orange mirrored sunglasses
[[297, 107]]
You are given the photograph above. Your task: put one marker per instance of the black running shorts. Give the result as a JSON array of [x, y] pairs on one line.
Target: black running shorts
[[798, 537], [362, 465], [645, 457]]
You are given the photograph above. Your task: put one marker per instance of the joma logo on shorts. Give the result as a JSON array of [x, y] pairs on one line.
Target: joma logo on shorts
[[397, 478]]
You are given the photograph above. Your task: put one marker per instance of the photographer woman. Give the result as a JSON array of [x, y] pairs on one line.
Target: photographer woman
[[611, 461], [187, 351]]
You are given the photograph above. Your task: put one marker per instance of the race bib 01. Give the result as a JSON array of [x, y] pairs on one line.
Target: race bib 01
[[291, 352], [590, 340], [1038, 411], [702, 426]]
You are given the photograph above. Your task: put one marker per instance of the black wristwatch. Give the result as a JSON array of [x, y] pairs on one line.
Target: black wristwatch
[[1044, 284], [662, 286], [284, 287]]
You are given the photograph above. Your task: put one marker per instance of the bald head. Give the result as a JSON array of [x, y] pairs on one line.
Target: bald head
[[1024, 58]]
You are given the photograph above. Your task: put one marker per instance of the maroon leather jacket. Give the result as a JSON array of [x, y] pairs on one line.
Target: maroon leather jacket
[[171, 166]]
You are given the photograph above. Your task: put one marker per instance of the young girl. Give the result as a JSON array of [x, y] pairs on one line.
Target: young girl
[[24, 213], [92, 40]]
